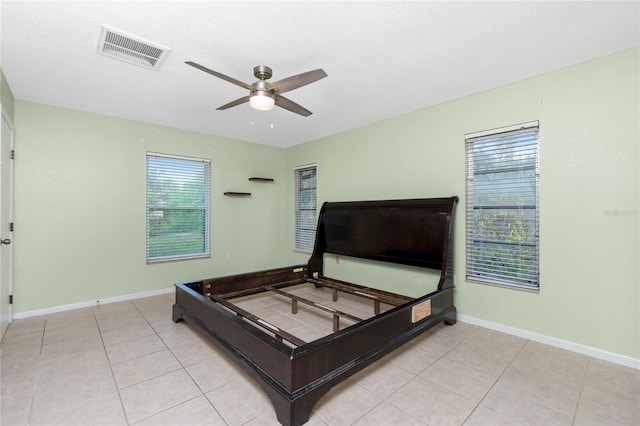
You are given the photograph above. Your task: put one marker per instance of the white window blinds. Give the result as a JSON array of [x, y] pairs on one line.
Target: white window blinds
[[305, 208], [502, 208], [177, 208]]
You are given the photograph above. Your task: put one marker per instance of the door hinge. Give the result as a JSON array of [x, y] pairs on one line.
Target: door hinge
[[11, 299], [13, 154], [11, 227]]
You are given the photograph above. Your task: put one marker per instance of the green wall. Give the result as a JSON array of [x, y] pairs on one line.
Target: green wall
[[80, 206], [589, 186], [80, 201]]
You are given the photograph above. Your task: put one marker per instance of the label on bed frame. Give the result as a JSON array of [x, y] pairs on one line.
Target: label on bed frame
[[421, 311]]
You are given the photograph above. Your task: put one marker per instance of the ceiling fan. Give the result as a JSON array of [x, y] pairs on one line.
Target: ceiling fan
[[263, 95]]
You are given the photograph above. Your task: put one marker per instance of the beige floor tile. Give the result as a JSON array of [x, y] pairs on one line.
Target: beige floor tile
[[124, 351], [444, 407], [483, 416], [139, 328], [602, 407], [533, 399], [180, 333], [382, 378], [66, 393], [345, 403], [386, 414], [475, 357], [563, 365], [153, 303], [103, 410], [240, 401], [265, 312], [153, 396], [18, 381], [18, 359], [78, 366], [286, 322], [66, 348], [214, 373], [436, 345], [119, 321], [410, 358], [161, 322], [76, 318], [195, 412], [70, 334], [256, 301], [319, 320], [26, 326], [496, 343], [469, 382], [15, 409], [157, 310], [195, 351], [307, 333], [613, 378], [459, 330], [17, 342], [143, 368]]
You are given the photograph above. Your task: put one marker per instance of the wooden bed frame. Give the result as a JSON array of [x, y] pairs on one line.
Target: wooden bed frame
[[295, 374]]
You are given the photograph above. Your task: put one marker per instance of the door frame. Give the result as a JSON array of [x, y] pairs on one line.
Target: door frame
[[5, 117]]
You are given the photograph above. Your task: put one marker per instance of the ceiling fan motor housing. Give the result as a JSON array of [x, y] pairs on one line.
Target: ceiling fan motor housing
[[261, 88]]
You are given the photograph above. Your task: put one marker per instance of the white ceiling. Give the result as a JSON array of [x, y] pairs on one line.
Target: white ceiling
[[383, 58]]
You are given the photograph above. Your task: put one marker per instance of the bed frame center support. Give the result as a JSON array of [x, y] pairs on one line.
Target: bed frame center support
[[294, 307]]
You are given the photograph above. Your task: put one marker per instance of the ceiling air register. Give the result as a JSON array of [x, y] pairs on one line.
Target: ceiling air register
[[134, 50]]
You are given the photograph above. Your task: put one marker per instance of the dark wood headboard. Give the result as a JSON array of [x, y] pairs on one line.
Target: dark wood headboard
[[416, 232]]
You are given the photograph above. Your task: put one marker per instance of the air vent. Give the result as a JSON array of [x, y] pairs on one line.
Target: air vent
[[134, 50]]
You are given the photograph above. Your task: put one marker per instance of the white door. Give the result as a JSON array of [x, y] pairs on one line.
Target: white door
[[6, 217]]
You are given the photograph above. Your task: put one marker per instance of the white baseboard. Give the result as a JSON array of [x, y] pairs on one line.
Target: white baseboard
[[91, 303], [552, 341]]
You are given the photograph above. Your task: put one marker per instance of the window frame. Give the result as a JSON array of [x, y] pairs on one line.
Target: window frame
[[297, 225], [519, 260], [206, 209]]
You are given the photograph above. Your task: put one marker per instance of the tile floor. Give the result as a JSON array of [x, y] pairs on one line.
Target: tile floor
[[128, 363]]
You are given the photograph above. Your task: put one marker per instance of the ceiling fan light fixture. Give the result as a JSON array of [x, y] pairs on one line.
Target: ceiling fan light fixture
[[262, 100]]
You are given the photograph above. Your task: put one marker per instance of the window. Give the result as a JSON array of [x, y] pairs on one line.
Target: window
[[502, 216], [305, 208], [177, 208]]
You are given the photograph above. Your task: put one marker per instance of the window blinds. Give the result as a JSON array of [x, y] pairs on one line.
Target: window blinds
[[305, 208], [177, 208], [502, 208]]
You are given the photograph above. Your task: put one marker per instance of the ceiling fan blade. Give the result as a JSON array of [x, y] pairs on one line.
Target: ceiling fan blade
[[299, 80], [288, 104], [220, 75], [234, 103]]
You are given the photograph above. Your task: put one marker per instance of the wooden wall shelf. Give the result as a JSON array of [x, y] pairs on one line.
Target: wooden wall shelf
[[260, 179], [238, 194]]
